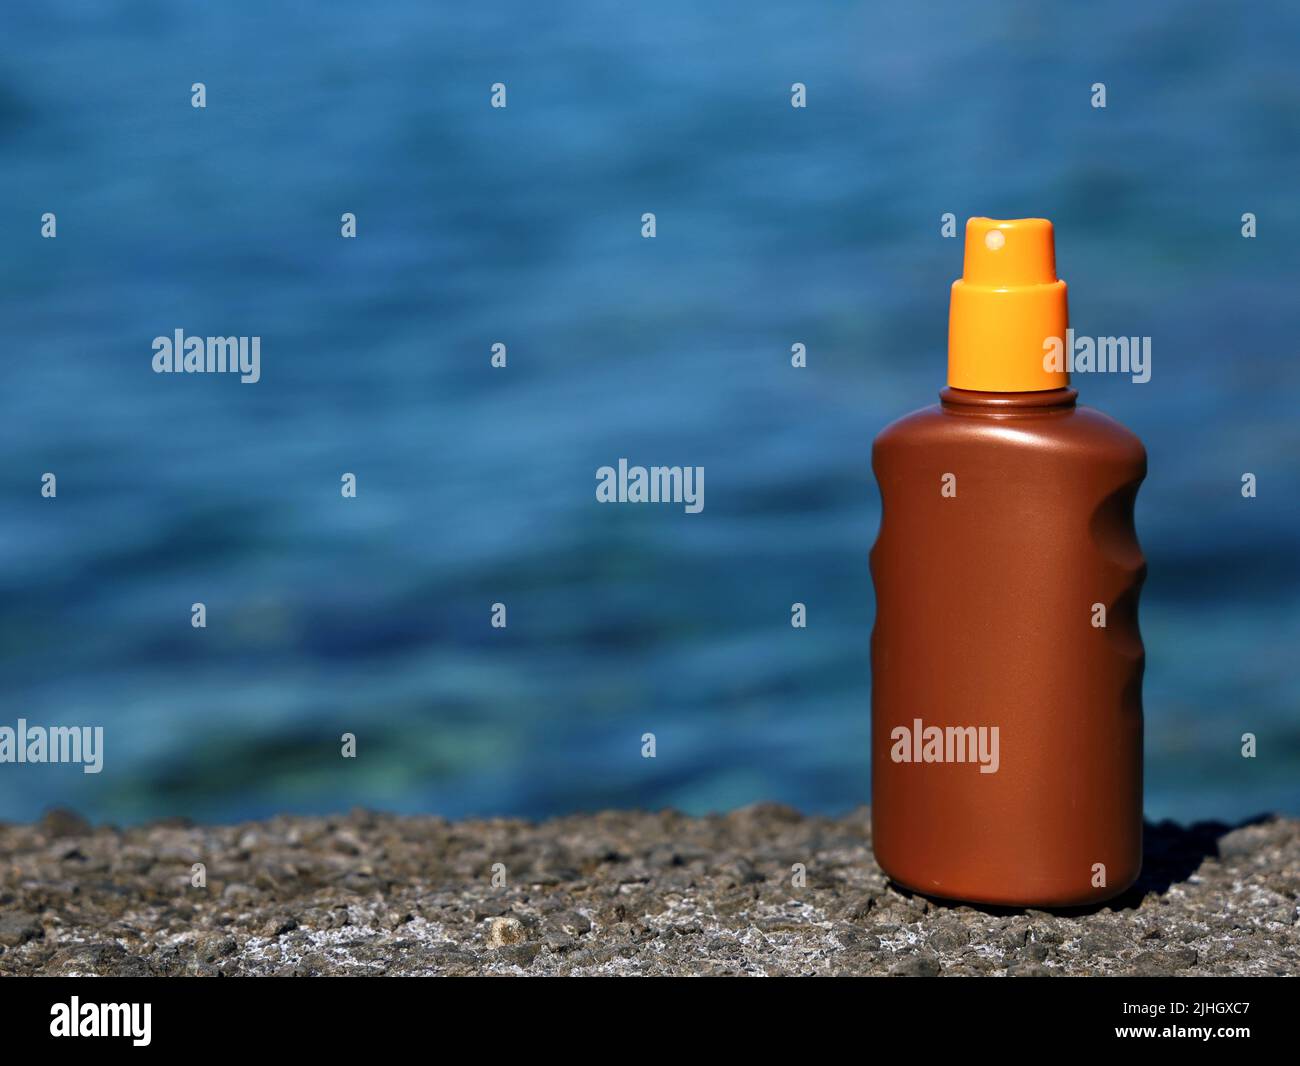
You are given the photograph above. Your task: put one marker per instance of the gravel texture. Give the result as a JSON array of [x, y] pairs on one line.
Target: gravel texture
[[609, 893]]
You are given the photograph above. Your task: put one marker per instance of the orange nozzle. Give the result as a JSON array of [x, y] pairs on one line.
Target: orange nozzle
[[1004, 308]]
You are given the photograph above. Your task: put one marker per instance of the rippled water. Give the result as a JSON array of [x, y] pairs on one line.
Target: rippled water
[[522, 226]]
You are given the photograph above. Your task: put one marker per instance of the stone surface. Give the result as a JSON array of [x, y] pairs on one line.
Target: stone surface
[[610, 893]]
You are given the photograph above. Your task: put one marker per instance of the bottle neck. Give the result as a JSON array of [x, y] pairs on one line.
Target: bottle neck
[[968, 401]]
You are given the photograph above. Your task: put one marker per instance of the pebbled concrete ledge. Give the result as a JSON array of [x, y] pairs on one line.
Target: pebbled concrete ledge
[[609, 893]]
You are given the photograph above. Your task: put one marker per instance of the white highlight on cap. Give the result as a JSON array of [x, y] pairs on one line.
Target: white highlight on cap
[[994, 239]]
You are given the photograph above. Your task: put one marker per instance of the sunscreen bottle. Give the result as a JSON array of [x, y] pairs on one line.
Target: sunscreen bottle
[[1006, 659]]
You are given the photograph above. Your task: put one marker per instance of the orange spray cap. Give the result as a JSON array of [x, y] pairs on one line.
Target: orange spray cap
[[1004, 308]]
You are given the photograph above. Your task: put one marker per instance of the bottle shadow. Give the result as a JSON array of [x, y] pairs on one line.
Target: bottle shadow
[[1171, 854]]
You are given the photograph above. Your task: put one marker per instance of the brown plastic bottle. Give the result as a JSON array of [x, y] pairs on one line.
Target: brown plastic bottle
[[1007, 573]]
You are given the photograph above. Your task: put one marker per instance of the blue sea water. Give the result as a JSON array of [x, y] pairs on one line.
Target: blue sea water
[[522, 225]]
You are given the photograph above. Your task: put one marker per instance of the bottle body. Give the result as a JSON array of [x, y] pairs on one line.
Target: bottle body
[[1006, 657]]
